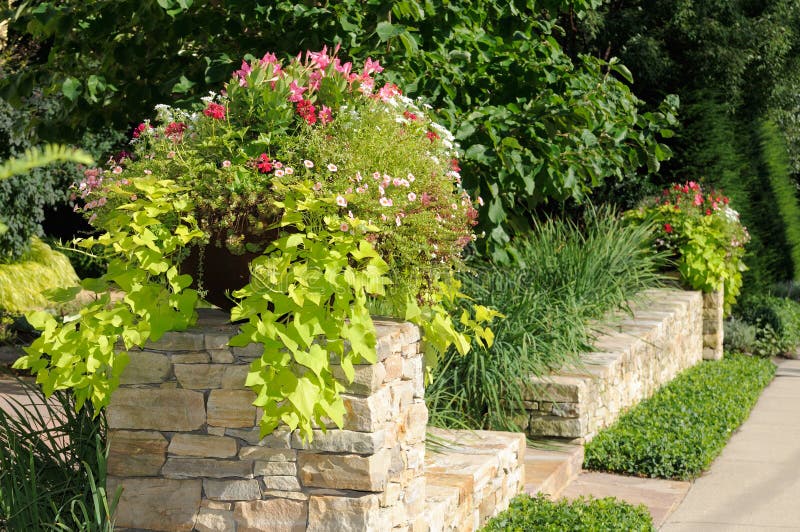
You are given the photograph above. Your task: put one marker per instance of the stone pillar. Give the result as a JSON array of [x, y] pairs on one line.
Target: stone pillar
[[185, 447], [713, 331]]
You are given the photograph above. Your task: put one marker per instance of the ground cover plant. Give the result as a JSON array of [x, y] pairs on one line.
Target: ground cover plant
[[566, 274], [685, 425], [540, 513], [53, 465]]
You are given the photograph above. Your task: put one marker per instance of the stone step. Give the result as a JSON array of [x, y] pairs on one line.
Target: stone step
[[470, 476], [551, 467]]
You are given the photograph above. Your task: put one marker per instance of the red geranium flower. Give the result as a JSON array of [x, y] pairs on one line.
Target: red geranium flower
[[215, 110]]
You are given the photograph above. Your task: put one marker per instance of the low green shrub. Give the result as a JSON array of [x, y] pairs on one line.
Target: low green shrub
[[566, 275], [23, 283], [684, 426], [539, 513], [777, 323], [740, 336]]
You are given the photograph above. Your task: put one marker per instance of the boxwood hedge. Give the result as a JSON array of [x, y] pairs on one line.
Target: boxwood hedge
[[684, 426], [539, 513]]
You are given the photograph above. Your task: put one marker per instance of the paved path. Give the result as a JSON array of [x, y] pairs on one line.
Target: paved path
[[754, 485], [660, 496]]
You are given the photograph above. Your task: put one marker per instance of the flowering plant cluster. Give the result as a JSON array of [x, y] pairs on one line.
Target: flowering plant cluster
[[702, 233], [345, 192]]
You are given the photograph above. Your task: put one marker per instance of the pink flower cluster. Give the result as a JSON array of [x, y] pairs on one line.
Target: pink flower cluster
[[308, 75]]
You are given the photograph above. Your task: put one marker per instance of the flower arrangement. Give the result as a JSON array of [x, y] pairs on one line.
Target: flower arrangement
[[343, 196], [702, 233]]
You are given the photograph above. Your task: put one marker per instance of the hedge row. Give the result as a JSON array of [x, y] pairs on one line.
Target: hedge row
[[684, 426], [539, 513]]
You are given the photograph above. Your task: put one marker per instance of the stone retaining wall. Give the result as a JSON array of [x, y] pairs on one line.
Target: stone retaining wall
[[634, 358], [713, 330], [185, 446]]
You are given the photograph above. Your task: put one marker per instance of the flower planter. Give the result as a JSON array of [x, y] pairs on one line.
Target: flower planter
[[217, 273]]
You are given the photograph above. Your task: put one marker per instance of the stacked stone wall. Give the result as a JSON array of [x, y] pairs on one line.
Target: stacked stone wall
[[713, 331], [185, 444], [633, 358]]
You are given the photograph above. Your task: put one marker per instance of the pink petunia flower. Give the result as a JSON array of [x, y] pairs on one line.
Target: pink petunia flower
[[317, 186], [344, 227], [386, 202], [340, 201], [289, 170], [308, 164], [117, 170], [332, 167], [412, 196], [226, 164]]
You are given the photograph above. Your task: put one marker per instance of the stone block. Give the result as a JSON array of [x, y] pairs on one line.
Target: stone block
[[345, 471], [235, 376], [556, 389], [200, 445], [555, 426], [279, 439], [156, 503], [394, 367], [210, 520], [415, 424], [215, 341], [367, 414], [145, 367], [156, 409], [199, 376], [275, 515], [342, 441], [135, 453], [249, 351], [206, 467], [267, 454], [268, 469], [367, 379], [328, 513], [232, 490], [179, 341], [199, 357], [231, 408], [282, 482], [221, 356]]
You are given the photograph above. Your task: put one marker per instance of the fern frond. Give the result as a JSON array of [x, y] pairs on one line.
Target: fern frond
[[42, 156]]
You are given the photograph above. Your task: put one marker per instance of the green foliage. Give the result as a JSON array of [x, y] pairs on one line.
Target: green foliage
[[23, 284], [740, 336], [53, 465], [539, 513], [565, 276], [684, 426], [784, 189], [535, 123], [702, 233], [745, 50], [725, 152], [44, 156], [143, 239], [328, 235], [777, 323], [307, 298]]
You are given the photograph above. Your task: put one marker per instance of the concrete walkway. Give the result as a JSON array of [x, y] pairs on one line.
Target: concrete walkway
[[754, 485]]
